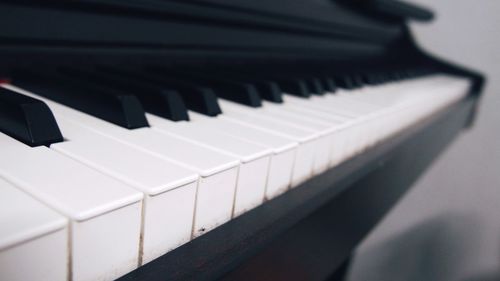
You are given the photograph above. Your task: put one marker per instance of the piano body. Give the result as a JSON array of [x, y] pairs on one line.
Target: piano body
[[212, 139]]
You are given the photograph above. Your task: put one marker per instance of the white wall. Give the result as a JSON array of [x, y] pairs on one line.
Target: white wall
[[448, 226]]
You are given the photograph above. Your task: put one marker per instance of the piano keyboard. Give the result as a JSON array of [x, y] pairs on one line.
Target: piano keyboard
[[93, 187]]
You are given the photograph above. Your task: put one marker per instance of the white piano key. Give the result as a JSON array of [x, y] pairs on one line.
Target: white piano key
[[325, 131], [340, 142], [255, 158], [284, 148], [308, 141], [33, 238], [332, 130], [353, 128], [105, 214], [369, 129], [367, 108], [169, 189], [218, 171], [215, 192], [315, 104]]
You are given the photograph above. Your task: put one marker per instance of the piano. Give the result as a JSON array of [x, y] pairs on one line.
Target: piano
[[212, 139]]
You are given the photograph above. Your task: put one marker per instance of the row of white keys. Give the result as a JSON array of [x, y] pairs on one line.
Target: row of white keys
[[33, 238], [358, 126], [400, 96], [378, 102], [417, 102], [79, 135], [357, 132], [339, 128], [359, 116], [341, 142], [358, 123], [329, 129], [361, 113], [339, 123], [169, 189], [105, 214], [255, 158], [308, 140], [218, 172], [283, 148], [325, 132]]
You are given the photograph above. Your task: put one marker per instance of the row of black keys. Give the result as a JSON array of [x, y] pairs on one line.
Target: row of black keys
[[120, 96]]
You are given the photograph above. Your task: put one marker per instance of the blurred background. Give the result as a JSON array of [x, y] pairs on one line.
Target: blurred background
[[448, 226]]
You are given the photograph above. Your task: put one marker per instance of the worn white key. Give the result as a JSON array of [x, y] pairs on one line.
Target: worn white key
[[105, 214], [33, 238], [369, 110]]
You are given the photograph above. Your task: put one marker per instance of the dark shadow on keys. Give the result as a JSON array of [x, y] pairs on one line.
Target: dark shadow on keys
[[433, 250]]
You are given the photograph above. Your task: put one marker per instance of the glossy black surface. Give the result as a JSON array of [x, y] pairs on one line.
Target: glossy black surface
[[161, 101], [117, 107], [27, 119], [196, 97], [224, 87]]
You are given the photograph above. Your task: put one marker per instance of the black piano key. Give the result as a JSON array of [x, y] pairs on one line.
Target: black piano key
[[357, 81], [160, 101], [379, 78], [117, 107], [393, 76], [369, 79], [315, 86], [329, 84], [288, 83], [319, 86], [233, 90], [345, 82], [267, 89], [405, 74], [202, 100], [296, 87], [311, 86], [398, 75], [27, 119], [196, 97]]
